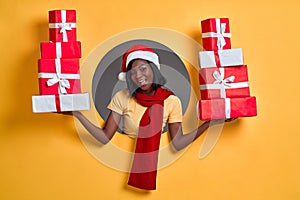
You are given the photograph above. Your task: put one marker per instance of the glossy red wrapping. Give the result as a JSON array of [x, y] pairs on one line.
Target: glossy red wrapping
[[68, 66], [210, 43], [215, 108], [67, 49], [55, 34], [237, 88]]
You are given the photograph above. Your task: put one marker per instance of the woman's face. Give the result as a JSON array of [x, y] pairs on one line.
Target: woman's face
[[142, 75]]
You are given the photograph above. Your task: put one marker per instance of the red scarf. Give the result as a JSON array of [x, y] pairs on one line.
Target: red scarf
[[144, 166]]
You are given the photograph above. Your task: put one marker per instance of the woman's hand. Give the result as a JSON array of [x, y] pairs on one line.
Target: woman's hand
[[70, 113], [65, 113], [220, 121], [230, 119]]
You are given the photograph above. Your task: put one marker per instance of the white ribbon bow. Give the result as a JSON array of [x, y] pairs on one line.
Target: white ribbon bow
[[62, 82], [219, 76], [220, 34], [64, 27]]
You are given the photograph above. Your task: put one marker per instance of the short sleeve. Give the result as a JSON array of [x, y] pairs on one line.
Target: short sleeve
[[175, 110], [119, 102]]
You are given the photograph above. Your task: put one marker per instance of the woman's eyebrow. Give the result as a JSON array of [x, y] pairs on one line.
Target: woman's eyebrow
[[142, 65]]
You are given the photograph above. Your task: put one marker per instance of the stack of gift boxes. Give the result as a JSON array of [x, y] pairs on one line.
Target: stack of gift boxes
[[59, 67], [223, 75]]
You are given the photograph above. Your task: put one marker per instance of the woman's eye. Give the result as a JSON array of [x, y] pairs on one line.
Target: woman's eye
[[143, 68]]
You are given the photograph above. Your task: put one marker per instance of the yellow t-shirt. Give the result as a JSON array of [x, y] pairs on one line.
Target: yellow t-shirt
[[132, 112]]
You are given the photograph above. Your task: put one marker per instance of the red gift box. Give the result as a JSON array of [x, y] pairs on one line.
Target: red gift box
[[229, 82], [61, 49], [227, 108], [215, 34], [59, 76], [62, 25]]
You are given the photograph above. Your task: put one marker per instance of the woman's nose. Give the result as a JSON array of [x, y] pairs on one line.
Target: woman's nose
[[138, 74]]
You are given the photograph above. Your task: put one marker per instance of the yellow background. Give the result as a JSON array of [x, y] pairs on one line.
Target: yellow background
[[42, 156]]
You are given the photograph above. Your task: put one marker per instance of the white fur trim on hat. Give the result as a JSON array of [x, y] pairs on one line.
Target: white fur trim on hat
[[146, 55]]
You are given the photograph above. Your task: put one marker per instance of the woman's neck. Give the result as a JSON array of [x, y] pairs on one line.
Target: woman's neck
[[149, 92]]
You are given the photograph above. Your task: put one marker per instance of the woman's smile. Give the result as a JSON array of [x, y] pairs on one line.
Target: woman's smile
[[142, 81]]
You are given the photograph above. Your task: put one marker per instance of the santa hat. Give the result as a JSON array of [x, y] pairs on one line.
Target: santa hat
[[137, 51]]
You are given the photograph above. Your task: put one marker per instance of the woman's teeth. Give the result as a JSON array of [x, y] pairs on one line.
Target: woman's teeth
[[142, 81]]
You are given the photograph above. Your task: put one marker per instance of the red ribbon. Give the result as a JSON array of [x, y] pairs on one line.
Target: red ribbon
[[217, 58], [57, 103]]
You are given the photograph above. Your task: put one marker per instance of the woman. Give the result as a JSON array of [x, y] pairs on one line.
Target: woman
[[146, 107]]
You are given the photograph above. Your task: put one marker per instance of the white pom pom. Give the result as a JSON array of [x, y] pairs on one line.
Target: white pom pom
[[122, 76]]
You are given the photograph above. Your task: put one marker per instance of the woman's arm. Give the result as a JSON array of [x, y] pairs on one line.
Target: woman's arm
[[104, 134], [180, 140]]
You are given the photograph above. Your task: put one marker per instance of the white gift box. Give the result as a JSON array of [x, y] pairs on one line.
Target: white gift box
[[221, 58], [66, 102]]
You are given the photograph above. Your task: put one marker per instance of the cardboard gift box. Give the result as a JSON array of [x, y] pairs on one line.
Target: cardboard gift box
[[224, 58], [226, 108], [62, 25], [61, 49], [60, 103], [215, 34], [228, 82], [59, 76]]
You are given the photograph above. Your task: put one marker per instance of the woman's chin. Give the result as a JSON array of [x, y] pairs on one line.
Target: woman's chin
[[145, 86]]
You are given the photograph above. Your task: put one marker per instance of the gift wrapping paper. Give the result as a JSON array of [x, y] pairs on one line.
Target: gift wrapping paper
[[62, 25], [59, 76], [226, 108], [60, 49], [227, 82], [215, 34], [221, 58], [60, 103]]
